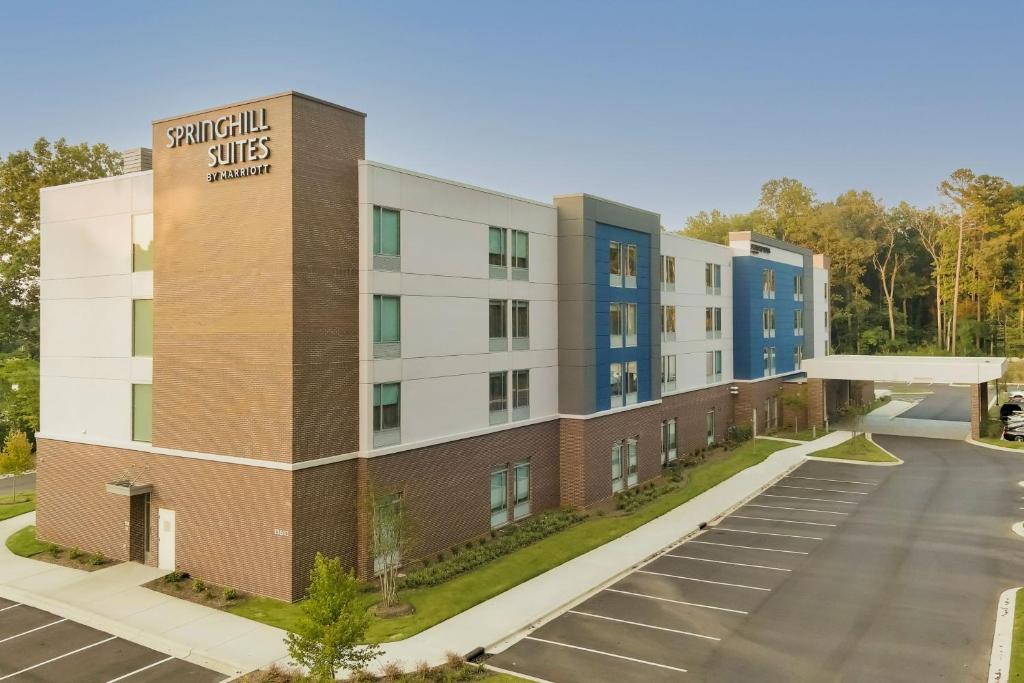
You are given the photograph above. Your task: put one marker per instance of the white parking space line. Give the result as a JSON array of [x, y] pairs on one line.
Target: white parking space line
[[137, 671], [606, 654], [835, 481], [32, 630], [676, 602], [780, 507], [738, 564], [816, 500], [4, 609], [637, 623], [752, 547], [54, 659], [688, 578], [811, 488], [766, 533], [784, 521]]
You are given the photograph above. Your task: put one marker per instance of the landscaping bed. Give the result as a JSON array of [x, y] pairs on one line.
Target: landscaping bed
[[1017, 648], [455, 669], [435, 603], [857, 448], [25, 544], [9, 507], [181, 585]]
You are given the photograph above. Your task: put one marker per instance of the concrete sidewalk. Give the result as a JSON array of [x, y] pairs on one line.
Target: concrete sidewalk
[[113, 600]]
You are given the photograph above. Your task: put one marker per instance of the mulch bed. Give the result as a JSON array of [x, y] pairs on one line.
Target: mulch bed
[[210, 595], [81, 563]]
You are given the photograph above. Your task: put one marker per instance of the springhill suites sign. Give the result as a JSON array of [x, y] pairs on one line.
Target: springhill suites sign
[[240, 147]]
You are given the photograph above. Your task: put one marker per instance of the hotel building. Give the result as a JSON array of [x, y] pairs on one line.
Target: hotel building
[[255, 330]]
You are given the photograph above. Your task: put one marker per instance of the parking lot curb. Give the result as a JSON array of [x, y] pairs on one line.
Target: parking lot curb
[[1002, 639], [844, 461], [1018, 451]]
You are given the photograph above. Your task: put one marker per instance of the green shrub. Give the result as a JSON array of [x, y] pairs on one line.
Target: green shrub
[[198, 585], [175, 577], [633, 499], [75, 553], [97, 560], [516, 537], [230, 594], [54, 550]]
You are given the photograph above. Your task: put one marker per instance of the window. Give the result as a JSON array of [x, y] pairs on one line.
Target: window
[[386, 414], [768, 283], [629, 318], [768, 322], [632, 382], [798, 288], [142, 412], [768, 360], [668, 273], [709, 427], [798, 357], [615, 325], [520, 325], [712, 278], [629, 269], [713, 366], [798, 322], [498, 397], [499, 496], [142, 327], [386, 325], [496, 256], [615, 385], [713, 323], [521, 499], [631, 465], [496, 328], [668, 373], [614, 264], [520, 394], [520, 255], [387, 530], [618, 480], [668, 441], [142, 242], [386, 232], [668, 323]]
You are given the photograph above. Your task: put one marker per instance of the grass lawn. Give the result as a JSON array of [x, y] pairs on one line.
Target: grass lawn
[[1017, 649], [434, 604], [857, 448], [24, 543], [802, 435], [996, 441], [8, 508]]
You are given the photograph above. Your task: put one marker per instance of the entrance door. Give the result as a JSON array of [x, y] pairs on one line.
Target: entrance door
[[166, 558]]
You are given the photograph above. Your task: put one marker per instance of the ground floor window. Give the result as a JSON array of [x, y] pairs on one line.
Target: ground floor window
[[668, 441], [709, 427], [499, 496], [522, 490], [632, 470], [618, 480]]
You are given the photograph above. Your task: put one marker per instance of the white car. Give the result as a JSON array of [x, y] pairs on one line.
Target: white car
[[1017, 394]]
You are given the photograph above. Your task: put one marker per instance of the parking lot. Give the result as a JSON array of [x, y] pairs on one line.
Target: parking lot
[[670, 616], [41, 647]]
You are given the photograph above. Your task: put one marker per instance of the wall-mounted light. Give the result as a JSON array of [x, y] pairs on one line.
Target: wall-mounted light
[[734, 390]]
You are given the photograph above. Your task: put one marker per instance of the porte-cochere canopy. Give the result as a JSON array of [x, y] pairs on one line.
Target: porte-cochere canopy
[[907, 369]]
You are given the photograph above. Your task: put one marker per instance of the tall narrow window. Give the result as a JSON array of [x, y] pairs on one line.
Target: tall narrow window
[[668, 373], [496, 257], [520, 325], [798, 288], [629, 267], [768, 283], [629, 315], [499, 496], [498, 397], [713, 323], [386, 326], [632, 382], [709, 427], [496, 326], [712, 278], [632, 468], [142, 327], [798, 322], [713, 366], [668, 273], [718, 278], [615, 385], [614, 264], [142, 242], [768, 358], [520, 255], [615, 329], [798, 357], [520, 394], [142, 412], [521, 499], [668, 323], [768, 322], [718, 323], [618, 474], [386, 414], [668, 441], [386, 232]]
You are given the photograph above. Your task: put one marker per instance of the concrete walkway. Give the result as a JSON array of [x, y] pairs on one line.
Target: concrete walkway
[[113, 600]]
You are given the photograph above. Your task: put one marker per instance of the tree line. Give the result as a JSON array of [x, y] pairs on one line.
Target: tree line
[[946, 279]]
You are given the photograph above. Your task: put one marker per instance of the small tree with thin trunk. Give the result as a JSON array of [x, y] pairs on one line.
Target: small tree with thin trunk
[[391, 540], [332, 625], [797, 402], [16, 459]]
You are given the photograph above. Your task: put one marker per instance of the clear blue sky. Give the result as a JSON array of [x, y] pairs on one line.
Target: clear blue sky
[[671, 106]]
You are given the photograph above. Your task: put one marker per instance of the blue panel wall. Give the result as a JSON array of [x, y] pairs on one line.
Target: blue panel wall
[[605, 294], [748, 304]]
